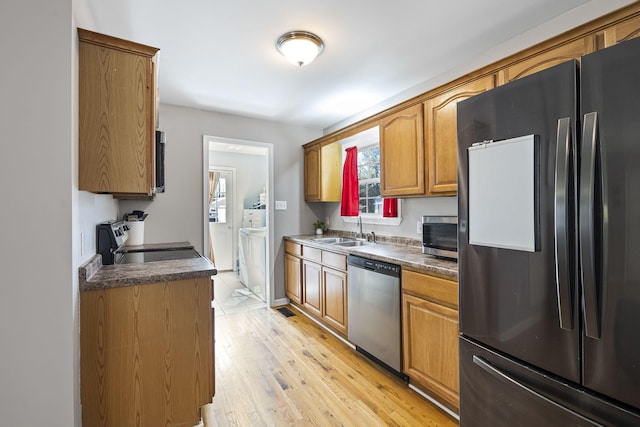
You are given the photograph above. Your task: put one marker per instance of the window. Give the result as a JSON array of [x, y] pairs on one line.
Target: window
[[369, 180], [371, 201], [218, 208]]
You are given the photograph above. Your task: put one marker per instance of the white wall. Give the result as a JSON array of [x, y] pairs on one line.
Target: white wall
[[37, 327], [176, 215], [571, 19]]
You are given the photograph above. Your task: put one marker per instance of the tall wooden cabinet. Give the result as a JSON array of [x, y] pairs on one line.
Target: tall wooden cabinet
[[322, 173], [441, 135], [430, 335], [402, 162], [117, 115]]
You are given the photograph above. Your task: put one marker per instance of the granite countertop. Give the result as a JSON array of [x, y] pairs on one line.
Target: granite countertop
[[93, 275], [396, 251]]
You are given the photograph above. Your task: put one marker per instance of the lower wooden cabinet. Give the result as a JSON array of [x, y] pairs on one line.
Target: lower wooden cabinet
[[146, 353], [293, 271], [312, 287], [334, 298], [292, 281], [430, 335], [316, 282]]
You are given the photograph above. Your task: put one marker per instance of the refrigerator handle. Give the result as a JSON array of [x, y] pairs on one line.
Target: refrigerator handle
[[561, 218], [587, 225], [498, 373]]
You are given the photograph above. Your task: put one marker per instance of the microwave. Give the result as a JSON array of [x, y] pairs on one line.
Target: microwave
[[440, 236], [159, 160]]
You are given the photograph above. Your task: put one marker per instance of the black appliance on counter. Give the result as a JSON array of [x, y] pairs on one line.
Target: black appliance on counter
[[161, 142], [111, 237], [550, 321]]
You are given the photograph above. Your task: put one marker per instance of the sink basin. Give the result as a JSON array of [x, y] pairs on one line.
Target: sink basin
[[354, 243], [333, 240]]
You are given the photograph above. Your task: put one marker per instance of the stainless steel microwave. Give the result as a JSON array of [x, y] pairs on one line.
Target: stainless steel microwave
[[440, 236]]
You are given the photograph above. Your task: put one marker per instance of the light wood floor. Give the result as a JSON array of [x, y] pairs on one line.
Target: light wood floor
[[272, 371]]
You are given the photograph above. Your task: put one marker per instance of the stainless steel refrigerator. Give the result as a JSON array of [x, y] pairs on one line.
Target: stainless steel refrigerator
[[549, 246]]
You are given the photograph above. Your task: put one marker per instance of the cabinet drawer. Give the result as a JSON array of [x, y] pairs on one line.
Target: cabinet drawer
[[292, 248], [312, 253], [430, 287], [334, 260]]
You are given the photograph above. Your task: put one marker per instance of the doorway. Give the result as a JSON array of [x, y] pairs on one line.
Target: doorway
[[240, 204]]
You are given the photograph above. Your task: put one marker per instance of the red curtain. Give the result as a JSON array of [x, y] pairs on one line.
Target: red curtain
[[390, 208], [350, 195]]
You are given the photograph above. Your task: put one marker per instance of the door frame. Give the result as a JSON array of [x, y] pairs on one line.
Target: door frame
[[206, 139]]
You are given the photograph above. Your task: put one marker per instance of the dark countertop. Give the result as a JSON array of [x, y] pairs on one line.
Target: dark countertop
[[406, 255], [93, 275]]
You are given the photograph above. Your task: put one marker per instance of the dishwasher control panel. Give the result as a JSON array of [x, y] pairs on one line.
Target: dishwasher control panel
[[375, 266]]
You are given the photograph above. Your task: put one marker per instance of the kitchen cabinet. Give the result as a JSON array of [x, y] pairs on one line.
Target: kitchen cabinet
[[334, 290], [622, 31], [322, 173], [441, 133], [430, 335], [146, 353], [322, 284], [117, 95], [292, 271], [548, 58], [402, 160]]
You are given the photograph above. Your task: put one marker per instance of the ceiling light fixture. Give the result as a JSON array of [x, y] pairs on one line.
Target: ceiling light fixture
[[300, 47]]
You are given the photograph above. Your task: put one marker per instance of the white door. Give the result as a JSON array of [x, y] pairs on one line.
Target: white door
[[221, 220]]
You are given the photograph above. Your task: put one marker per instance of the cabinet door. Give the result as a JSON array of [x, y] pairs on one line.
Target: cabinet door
[[402, 153], [441, 135], [292, 278], [430, 347], [312, 173], [622, 31], [548, 58], [311, 294], [116, 124], [334, 294]]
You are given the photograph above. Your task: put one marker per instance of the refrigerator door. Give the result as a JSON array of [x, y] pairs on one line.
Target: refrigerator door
[[510, 299], [497, 391], [610, 221]]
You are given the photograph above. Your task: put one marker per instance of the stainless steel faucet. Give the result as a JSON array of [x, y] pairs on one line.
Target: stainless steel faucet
[[360, 225]]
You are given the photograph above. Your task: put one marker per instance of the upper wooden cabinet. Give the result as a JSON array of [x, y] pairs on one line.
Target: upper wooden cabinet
[[548, 58], [322, 173], [402, 162], [440, 133], [622, 31], [117, 115]]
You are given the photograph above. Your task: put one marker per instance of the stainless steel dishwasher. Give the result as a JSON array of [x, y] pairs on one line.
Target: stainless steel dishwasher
[[373, 307]]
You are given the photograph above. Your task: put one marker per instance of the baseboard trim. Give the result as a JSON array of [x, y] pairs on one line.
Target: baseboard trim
[[434, 401]]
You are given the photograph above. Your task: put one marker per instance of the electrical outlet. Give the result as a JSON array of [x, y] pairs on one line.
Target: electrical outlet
[[419, 227], [281, 205], [82, 243]]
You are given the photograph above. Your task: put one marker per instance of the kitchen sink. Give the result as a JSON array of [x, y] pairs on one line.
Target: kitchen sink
[[354, 243], [334, 240]]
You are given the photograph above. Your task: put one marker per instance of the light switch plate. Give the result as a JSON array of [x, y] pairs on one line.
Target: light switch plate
[[281, 205]]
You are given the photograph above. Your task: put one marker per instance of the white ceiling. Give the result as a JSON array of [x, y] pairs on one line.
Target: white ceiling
[[221, 55]]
